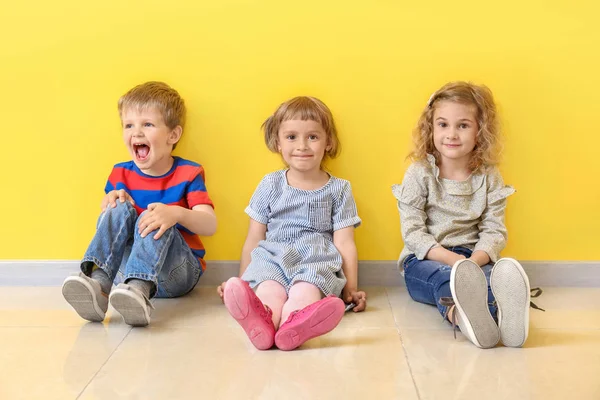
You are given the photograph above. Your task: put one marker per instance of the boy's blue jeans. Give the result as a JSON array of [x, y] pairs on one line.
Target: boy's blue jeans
[[119, 250], [428, 280]]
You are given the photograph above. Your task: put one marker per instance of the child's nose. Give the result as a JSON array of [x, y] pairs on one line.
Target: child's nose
[[303, 144], [453, 133]]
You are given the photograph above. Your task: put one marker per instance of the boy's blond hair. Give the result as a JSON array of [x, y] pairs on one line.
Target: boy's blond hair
[[159, 95], [304, 108], [487, 148]]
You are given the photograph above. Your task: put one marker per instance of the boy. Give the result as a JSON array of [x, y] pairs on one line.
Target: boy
[[155, 207]]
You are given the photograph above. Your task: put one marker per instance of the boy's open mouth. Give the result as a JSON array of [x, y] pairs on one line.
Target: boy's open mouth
[[141, 151]]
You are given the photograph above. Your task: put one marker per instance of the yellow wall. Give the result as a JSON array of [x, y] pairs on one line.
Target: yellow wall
[[64, 64]]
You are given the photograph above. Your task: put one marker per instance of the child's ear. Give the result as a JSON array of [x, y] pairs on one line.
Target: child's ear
[[175, 135]]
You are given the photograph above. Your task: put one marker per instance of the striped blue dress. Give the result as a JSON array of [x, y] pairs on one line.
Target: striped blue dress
[[299, 241]]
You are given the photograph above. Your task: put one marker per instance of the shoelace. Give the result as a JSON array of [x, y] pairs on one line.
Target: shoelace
[[297, 313], [536, 292], [263, 309], [291, 317], [448, 302]]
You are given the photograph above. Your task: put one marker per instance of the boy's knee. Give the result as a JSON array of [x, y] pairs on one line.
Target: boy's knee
[[121, 208], [122, 212]]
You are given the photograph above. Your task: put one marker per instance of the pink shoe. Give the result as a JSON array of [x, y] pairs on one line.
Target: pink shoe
[[313, 320], [247, 309]]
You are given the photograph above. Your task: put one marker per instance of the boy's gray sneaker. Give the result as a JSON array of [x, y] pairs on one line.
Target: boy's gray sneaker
[[131, 304], [85, 295]]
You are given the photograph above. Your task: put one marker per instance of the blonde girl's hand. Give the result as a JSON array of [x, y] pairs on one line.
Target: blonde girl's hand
[[111, 199]]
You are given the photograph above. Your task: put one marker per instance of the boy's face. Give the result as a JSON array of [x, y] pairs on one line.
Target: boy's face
[[149, 140]]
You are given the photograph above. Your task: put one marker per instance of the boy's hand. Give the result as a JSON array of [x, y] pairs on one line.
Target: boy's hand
[[221, 291], [111, 199], [158, 216], [357, 297]]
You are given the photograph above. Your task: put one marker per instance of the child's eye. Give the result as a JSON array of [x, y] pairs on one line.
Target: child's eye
[[148, 124], [290, 137], [127, 126], [443, 124], [313, 137], [463, 126]]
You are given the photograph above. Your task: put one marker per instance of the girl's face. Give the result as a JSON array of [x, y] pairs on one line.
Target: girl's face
[[302, 144], [455, 130]]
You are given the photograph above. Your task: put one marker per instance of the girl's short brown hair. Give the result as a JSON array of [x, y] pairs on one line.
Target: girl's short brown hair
[[304, 108]]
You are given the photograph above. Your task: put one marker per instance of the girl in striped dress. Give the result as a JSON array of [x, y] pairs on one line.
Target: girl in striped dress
[[299, 255]]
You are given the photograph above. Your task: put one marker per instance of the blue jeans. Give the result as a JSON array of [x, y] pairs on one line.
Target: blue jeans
[[428, 280], [120, 251]]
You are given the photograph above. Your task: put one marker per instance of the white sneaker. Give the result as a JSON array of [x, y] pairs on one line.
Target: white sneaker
[[131, 304], [510, 286], [470, 294], [85, 295]]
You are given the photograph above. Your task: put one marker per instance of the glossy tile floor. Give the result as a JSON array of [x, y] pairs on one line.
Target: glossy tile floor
[[397, 349]]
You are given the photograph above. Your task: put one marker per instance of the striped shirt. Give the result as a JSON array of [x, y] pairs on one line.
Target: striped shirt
[[182, 186]]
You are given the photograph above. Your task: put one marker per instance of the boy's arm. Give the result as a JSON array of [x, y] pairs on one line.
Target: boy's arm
[[343, 239], [201, 219]]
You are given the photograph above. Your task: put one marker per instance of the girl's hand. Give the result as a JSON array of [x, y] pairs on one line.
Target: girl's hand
[[221, 291], [111, 199], [357, 297], [158, 216]]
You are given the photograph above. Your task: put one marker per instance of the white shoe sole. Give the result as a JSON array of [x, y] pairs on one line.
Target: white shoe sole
[[510, 286], [80, 294], [131, 306], [470, 293]]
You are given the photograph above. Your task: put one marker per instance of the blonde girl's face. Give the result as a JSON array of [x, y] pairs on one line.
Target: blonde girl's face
[[455, 130], [302, 144]]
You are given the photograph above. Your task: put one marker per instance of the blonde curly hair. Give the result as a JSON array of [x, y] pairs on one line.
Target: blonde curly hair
[[487, 148]]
